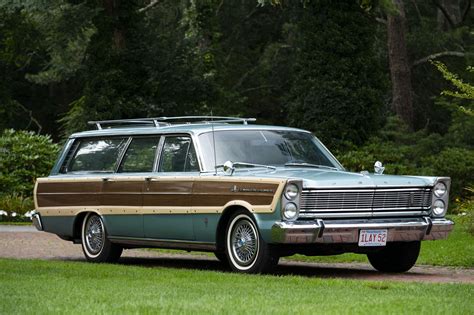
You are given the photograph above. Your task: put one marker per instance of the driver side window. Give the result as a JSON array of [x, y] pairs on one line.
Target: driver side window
[[178, 155]]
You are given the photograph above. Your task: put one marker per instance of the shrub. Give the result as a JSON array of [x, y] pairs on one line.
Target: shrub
[[24, 156], [465, 209], [415, 153], [15, 204], [457, 163]]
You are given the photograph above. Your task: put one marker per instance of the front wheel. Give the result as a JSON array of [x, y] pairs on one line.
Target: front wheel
[[396, 257], [221, 256], [95, 245], [245, 248]]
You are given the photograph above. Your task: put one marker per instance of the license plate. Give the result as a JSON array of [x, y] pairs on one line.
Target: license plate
[[373, 237]]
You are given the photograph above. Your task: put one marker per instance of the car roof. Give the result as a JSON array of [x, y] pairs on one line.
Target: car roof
[[194, 129]]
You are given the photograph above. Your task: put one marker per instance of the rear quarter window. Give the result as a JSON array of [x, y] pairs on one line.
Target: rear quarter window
[[96, 155]]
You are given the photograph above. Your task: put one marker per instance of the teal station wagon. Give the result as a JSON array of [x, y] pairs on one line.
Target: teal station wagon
[[249, 193]]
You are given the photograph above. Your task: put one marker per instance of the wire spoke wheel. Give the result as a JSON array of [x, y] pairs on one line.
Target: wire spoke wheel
[[244, 241], [246, 250], [94, 235], [95, 244]]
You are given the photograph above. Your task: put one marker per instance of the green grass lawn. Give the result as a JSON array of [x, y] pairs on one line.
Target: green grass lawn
[[15, 223], [30, 286]]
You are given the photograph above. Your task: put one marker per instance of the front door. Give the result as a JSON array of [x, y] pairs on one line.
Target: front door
[[167, 195]]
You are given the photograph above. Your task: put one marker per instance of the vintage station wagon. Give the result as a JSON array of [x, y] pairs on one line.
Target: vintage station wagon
[[249, 193]]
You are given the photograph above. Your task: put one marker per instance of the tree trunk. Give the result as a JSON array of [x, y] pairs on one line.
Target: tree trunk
[[118, 37], [400, 73]]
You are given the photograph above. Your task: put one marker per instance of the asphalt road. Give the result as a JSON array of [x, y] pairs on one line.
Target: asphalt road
[[24, 242]]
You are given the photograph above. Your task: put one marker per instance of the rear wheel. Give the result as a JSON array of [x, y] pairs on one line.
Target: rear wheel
[[95, 245], [396, 257], [247, 252]]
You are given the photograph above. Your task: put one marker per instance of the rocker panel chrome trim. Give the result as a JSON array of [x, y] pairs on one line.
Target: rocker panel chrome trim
[[161, 243]]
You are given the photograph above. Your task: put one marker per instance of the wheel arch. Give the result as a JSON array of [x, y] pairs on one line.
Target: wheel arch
[[224, 221], [77, 226]]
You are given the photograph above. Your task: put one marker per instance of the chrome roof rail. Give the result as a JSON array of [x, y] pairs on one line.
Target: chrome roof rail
[[159, 122]]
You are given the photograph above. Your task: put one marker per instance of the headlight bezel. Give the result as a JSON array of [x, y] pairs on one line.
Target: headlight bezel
[[440, 198], [286, 200]]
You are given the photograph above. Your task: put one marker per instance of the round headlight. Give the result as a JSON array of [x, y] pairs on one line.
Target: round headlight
[[439, 207], [291, 211], [439, 189], [291, 191]]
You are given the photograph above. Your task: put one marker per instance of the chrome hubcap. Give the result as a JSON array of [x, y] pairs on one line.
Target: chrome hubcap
[[244, 242], [94, 235]]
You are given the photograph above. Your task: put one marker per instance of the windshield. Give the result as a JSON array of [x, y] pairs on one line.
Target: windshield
[[275, 148]]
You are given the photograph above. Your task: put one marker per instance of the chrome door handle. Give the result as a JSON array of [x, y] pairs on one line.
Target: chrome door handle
[[108, 179], [151, 179]]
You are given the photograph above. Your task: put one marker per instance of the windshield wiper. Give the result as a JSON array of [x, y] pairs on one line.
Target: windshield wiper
[[311, 165], [253, 165], [234, 164]]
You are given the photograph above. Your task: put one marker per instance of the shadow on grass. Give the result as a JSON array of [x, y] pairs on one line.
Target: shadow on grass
[[345, 271]]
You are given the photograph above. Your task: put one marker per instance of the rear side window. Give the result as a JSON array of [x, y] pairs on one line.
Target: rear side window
[[140, 155], [178, 155], [97, 155]]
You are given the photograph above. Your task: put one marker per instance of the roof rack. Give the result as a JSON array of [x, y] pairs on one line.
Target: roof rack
[[159, 122]]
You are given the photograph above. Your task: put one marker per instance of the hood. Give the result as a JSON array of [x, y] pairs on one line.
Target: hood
[[322, 178]]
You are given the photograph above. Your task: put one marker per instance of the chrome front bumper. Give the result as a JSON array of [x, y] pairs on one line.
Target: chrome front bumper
[[36, 218], [347, 231]]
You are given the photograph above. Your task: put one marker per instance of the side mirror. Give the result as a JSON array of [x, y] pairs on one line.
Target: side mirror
[[378, 168], [228, 168]]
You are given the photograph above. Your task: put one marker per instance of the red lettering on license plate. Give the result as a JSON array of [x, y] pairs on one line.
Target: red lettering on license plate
[[373, 237]]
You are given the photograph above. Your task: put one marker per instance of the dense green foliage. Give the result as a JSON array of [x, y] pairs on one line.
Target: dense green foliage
[[17, 204], [72, 287], [320, 65], [338, 80], [24, 156], [463, 90], [419, 153]]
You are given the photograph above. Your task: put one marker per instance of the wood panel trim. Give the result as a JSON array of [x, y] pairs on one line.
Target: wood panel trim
[[143, 210]]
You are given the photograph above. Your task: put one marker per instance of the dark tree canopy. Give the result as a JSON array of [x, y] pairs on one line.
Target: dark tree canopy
[[320, 65], [338, 81]]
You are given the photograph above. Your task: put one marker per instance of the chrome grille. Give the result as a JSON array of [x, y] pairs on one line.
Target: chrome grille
[[365, 202]]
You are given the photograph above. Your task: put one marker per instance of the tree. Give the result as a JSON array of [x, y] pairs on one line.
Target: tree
[[400, 66], [464, 90], [338, 82]]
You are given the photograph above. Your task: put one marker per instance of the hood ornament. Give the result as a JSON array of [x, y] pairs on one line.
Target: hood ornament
[[378, 168]]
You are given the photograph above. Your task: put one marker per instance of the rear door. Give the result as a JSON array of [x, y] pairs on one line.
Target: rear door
[[122, 193]]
